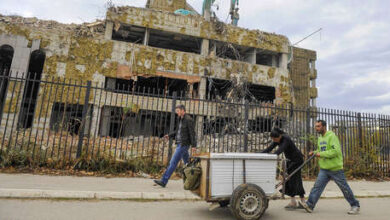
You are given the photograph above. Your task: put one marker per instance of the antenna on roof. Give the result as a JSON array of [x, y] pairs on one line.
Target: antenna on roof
[[308, 36]]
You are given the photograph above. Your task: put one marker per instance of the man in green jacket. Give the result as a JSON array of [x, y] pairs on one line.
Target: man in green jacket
[[331, 167]]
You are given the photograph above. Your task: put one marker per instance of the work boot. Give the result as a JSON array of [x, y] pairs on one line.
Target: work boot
[[305, 206], [159, 182], [354, 210]]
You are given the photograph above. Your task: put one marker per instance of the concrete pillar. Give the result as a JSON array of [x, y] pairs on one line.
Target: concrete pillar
[[191, 89], [207, 14], [21, 56], [146, 37], [200, 119], [108, 33], [204, 50], [94, 120], [202, 83], [105, 121], [283, 59]]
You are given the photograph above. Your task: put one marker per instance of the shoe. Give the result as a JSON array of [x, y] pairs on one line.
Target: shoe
[[305, 206], [291, 207], [160, 183], [354, 210], [300, 206]]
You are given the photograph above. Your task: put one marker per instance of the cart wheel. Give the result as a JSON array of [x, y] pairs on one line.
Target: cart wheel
[[266, 204], [248, 202]]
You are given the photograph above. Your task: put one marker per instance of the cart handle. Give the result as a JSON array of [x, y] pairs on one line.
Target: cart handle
[[296, 170]]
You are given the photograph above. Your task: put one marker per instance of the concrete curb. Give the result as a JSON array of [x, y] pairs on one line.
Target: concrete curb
[[107, 195], [101, 195]]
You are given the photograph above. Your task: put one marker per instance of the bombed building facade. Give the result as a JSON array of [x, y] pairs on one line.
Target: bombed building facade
[[134, 48]]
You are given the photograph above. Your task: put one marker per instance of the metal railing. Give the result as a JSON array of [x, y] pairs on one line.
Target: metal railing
[[63, 119]]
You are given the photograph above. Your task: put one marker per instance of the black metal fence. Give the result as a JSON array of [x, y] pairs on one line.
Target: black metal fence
[[63, 119]]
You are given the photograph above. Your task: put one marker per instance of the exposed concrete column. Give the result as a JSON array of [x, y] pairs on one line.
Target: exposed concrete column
[[207, 14], [146, 37], [202, 89], [200, 119], [94, 120], [21, 57], [108, 33], [204, 50], [202, 84], [191, 89], [105, 121], [283, 61]]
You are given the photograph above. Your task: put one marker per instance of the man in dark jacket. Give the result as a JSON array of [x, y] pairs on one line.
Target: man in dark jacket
[[185, 137]]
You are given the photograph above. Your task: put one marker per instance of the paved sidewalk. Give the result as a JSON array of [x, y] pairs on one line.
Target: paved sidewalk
[[72, 187]]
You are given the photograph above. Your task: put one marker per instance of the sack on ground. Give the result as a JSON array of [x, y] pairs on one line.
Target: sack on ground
[[191, 176]]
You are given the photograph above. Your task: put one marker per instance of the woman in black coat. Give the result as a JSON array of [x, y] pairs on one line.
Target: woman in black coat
[[294, 186]]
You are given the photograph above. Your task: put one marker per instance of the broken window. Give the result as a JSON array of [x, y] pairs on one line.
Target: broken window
[[267, 58], [129, 33], [261, 124], [161, 86], [260, 93], [31, 89], [6, 55], [149, 86], [221, 125], [174, 41], [231, 51], [121, 122], [217, 88], [68, 117], [119, 85]]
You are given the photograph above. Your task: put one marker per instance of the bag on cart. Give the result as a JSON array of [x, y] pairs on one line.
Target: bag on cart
[[191, 175]]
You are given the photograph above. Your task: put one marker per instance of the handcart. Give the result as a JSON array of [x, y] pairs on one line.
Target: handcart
[[244, 181]]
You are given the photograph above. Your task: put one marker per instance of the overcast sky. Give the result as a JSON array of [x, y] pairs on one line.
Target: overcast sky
[[353, 48]]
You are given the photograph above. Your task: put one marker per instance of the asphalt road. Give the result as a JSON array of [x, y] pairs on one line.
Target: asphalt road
[[373, 208]]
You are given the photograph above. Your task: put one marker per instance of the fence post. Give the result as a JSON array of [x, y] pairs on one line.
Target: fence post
[[308, 130], [246, 116], [172, 125], [83, 121], [360, 130]]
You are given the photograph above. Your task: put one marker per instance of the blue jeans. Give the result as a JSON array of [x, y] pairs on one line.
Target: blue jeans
[[322, 180], [181, 152]]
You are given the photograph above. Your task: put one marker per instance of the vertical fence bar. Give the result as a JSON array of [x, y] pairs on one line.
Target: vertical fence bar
[[90, 113], [44, 94], [29, 101], [246, 118], [172, 125], [83, 121]]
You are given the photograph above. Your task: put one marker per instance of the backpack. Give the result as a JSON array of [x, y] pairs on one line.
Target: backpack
[[191, 175]]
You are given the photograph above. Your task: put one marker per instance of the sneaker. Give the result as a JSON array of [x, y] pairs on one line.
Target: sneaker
[[305, 206], [160, 183], [354, 210], [291, 207]]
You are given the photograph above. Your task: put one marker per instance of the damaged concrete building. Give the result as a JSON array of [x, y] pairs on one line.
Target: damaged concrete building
[[196, 56]]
